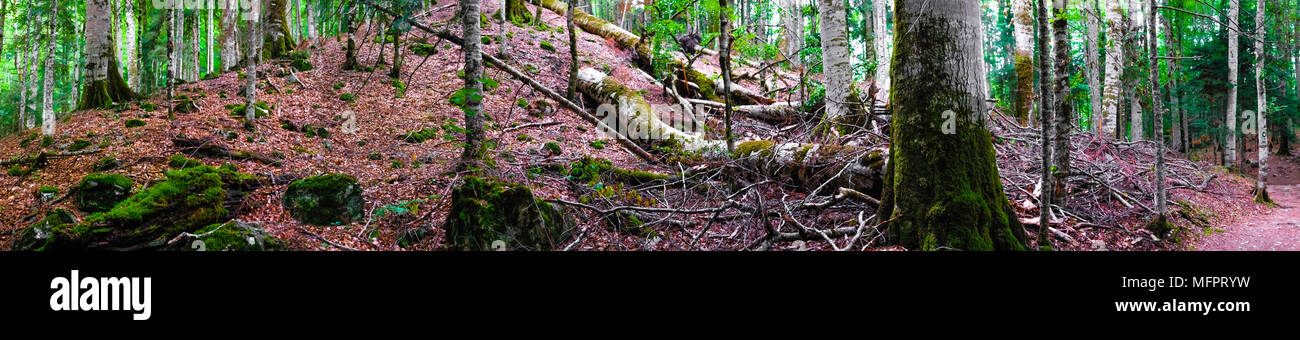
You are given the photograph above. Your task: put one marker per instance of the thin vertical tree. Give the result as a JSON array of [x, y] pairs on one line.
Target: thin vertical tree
[[255, 41], [1064, 110], [882, 49], [571, 92], [836, 64], [230, 36], [1023, 21], [724, 13], [1112, 89], [1157, 110], [1230, 146], [48, 120], [1261, 108], [475, 149]]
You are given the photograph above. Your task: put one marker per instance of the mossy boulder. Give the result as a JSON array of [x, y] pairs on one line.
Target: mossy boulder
[[486, 211], [241, 110], [107, 163], [99, 192], [324, 200], [78, 145], [186, 201], [34, 236], [134, 123], [184, 104]]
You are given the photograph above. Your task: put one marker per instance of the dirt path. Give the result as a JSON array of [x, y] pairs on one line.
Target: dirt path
[[1277, 230]]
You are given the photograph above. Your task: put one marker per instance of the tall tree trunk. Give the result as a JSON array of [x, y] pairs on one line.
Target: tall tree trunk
[[350, 55], [961, 204], [1093, 57], [194, 45], [277, 41], [573, 54], [724, 58], [129, 47], [1173, 46], [836, 64], [4, 13], [1112, 92], [211, 30], [1024, 63], [1046, 119], [230, 36], [1157, 112], [256, 38], [1230, 146], [48, 120], [1064, 113], [104, 85], [475, 149], [1136, 127], [883, 42], [170, 23], [793, 35], [1261, 108], [24, 72], [501, 29]]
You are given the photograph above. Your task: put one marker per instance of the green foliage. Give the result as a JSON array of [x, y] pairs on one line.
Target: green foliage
[[419, 136], [133, 123], [424, 50], [182, 162], [347, 97], [553, 148], [338, 85]]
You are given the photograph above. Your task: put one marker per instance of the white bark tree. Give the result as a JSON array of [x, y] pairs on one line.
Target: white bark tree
[[230, 36], [104, 84], [884, 41], [1230, 147], [1023, 32], [1136, 128], [836, 64], [792, 20], [129, 47], [1114, 68], [47, 114], [1261, 108], [1093, 57], [1157, 112]]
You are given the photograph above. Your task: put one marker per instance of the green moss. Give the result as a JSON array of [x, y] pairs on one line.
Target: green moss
[[184, 104], [301, 65], [148, 107], [484, 211], [241, 110], [133, 123], [546, 45], [553, 148], [598, 144], [419, 136], [78, 145], [374, 156], [45, 189], [1161, 227], [398, 165], [19, 171], [99, 192], [347, 97], [236, 236], [182, 162], [598, 170], [399, 88], [522, 103], [424, 50], [34, 237], [338, 85], [762, 147], [46, 141], [325, 199], [706, 85]]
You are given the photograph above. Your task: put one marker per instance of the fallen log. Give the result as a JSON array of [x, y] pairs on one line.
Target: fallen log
[[634, 118], [821, 167], [777, 112], [209, 148], [494, 62], [708, 87]]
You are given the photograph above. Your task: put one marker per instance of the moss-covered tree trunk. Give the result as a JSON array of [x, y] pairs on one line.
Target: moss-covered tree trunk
[[516, 11], [104, 84], [276, 40], [633, 116], [1064, 111], [944, 191]]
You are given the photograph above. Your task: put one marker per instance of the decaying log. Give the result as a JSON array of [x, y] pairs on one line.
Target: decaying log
[[630, 41], [635, 118], [818, 167], [209, 148]]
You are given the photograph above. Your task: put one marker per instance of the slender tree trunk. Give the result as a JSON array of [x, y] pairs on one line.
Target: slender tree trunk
[[961, 204], [1173, 46], [1024, 63], [24, 72], [1046, 119], [573, 54], [1157, 112], [1136, 128], [132, 52], [836, 64], [1230, 146], [1261, 108], [211, 30], [1093, 56], [792, 20], [1064, 112], [4, 13], [1112, 92], [883, 49], [194, 45], [256, 38], [501, 29], [48, 120], [230, 36], [475, 149], [841, 54]]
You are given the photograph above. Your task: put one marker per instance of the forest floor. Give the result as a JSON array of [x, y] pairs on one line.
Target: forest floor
[[1276, 228], [407, 188]]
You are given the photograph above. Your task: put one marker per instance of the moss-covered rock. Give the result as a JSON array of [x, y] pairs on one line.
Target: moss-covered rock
[[184, 104], [134, 123], [233, 236], [241, 110], [99, 192], [325, 199], [78, 145], [484, 212], [599, 170], [187, 200], [34, 236]]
